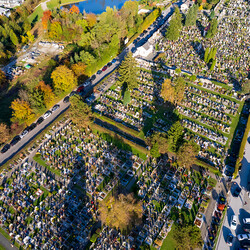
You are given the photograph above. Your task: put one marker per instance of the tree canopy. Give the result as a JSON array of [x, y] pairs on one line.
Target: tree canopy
[[175, 26], [175, 136], [167, 91], [4, 133], [191, 16], [212, 29]]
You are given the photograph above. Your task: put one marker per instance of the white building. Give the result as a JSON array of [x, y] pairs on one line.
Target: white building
[[10, 3], [5, 12]]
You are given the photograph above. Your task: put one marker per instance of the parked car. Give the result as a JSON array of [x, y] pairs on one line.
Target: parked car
[[56, 107], [15, 140], [245, 244], [39, 120], [243, 237], [99, 72], [233, 222], [47, 114], [66, 99], [80, 89], [25, 132], [104, 68], [93, 77], [32, 126], [72, 93], [246, 220], [230, 239], [5, 148], [114, 60], [109, 64], [237, 191], [246, 227]]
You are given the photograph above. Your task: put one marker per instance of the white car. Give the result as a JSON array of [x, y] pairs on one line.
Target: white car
[[47, 114], [233, 222], [25, 132], [243, 237], [246, 220]]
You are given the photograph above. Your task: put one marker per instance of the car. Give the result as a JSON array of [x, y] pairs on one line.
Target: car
[[66, 99], [114, 60], [32, 126], [241, 237], [15, 140], [245, 244], [246, 220], [39, 120], [93, 77], [56, 107], [47, 114], [233, 222], [237, 191], [85, 84], [80, 89], [104, 68], [109, 64], [246, 227], [5, 148], [230, 239], [25, 132], [72, 93], [99, 72]]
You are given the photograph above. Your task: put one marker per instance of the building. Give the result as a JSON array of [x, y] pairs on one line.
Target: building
[[10, 3], [4, 11]]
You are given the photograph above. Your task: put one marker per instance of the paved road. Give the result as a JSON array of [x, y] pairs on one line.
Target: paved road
[[6, 244], [64, 106], [236, 205]]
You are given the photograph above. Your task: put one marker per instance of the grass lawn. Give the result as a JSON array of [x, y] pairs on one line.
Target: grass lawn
[[169, 242], [2, 248], [36, 15], [38, 159], [212, 182], [56, 3]]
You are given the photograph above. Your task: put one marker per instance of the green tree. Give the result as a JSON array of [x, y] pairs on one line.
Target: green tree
[[126, 97], [179, 89], [246, 87], [79, 112], [212, 29], [86, 57], [162, 142], [175, 136], [213, 64], [175, 26], [63, 78], [212, 14], [191, 16], [154, 151], [206, 55], [13, 37], [128, 72]]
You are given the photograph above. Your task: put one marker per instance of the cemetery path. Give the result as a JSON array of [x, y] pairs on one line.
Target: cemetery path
[[6, 244]]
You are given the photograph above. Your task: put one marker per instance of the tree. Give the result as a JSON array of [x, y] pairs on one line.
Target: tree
[[123, 212], [212, 14], [167, 91], [159, 144], [56, 31], [191, 16], [213, 64], [22, 111], [74, 9], [193, 78], [186, 154], [13, 37], [206, 55], [128, 72], [212, 29], [246, 87], [2, 79], [79, 68], [47, 93], [179, 89], [126, 97], [46, 18], [91, 19], [4, 133], [187, 237], [175, 26], [63, 78], [175, 135], [154, 151], [86, 57], [79, 112]]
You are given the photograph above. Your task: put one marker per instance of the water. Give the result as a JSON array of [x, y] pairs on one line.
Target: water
[[97, 6]]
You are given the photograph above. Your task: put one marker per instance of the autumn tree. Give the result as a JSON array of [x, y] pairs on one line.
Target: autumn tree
[[175, 26], [179, 89], [4, 133], [79, 68], [167, 91], [22, 111], [63, 78], [74, 9], [91, 19], [46, 18], [55, 31], [128, 72], [46, 93], [79, 112], [123, 212], [13, 37], [186, 154]]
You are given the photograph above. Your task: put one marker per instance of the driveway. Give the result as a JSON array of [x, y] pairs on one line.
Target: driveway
[[237, 205]]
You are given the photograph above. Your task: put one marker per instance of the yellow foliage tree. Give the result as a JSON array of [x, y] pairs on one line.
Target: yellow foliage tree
[[167, 91], [22, 111], [91, 19], [48, 95], [2, 79], [79, 68], [63, 78], [4, 133]]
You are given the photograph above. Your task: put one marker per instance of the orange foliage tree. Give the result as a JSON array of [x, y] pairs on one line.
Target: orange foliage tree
[[46, 17], [79, 68], [91, 19], [74, 9], [48, 95]]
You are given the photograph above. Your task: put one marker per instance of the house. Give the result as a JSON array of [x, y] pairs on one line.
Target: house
[[5, 12], [144, 51]]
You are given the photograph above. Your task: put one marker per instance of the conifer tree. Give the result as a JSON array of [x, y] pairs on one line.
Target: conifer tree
[[191, 16]]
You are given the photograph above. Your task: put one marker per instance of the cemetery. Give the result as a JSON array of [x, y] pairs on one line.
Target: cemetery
[[231, 42]]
